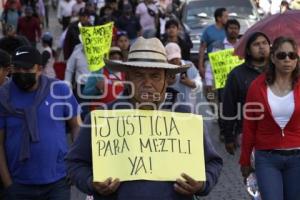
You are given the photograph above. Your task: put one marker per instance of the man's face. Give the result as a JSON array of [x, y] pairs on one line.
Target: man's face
[[84, 20], [28, 13], [13, 5], [3, 74], [26, 78], [223, 20], [108, 11], [149, 85], [172, 77], [34, 69], [115, 56], [283, 8], [11, 32], [260, 49], [172, 31], [233, 31], [175, 61], [128, 13], [114, 5]]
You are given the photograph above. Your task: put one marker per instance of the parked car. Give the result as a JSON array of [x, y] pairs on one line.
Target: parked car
[[198, 14]]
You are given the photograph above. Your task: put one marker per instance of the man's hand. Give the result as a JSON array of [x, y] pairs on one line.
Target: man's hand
[[230, 148], [107, 187], [186, 81], [188, 186], [100, 85], [8, 183], [201, 61]]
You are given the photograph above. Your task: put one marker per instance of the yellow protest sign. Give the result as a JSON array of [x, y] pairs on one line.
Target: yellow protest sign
[[146, 145], [222, 62], [96, 41]]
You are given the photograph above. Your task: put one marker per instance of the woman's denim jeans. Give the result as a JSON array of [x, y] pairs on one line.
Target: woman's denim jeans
[[278, 176]]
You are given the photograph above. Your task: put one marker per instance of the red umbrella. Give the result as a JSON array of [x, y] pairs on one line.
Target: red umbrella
[[281, 24]]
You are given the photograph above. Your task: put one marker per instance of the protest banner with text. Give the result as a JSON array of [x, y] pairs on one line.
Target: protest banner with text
[[222, 62], [147, 145], [97, 42]]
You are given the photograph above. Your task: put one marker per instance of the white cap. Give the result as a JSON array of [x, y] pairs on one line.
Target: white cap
[[173, 51]]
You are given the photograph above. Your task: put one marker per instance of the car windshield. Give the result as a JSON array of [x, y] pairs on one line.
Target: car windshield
[[202, 10]]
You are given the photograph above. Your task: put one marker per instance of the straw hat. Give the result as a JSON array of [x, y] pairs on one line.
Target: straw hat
[[146, 53]]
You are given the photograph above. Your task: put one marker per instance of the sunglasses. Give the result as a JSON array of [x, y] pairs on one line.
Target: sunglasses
[[283, 55]]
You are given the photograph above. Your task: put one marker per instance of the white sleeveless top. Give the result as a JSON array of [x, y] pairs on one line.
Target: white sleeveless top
[[49, 69], [282, 107]]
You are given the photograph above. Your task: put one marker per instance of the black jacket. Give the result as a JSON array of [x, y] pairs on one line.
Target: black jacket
[[71, 39], [234, 97]]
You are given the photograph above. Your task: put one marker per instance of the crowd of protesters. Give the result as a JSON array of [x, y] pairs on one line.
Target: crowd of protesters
[[151, 50]]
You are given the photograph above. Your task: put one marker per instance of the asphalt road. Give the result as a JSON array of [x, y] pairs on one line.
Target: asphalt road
[[230, 185]]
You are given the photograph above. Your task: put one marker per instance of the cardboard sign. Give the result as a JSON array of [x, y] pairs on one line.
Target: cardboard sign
[[147, 145], [97, 42], [222, 62]]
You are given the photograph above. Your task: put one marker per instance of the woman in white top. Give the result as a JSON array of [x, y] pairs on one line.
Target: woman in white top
[[272, 125]]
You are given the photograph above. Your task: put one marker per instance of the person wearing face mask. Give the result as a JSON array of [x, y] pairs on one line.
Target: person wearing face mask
[[34, 111], [29, 27]]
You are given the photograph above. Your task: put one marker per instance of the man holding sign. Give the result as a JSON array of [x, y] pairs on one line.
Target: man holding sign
[[159, 134]]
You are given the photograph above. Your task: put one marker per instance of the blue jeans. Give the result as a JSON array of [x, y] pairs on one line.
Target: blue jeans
[[59, 190], [278, 176]]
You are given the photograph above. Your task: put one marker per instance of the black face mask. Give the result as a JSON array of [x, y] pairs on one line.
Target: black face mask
[[24, 81]]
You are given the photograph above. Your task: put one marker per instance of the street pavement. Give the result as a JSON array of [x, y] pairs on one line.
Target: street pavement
[[230, 185]]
